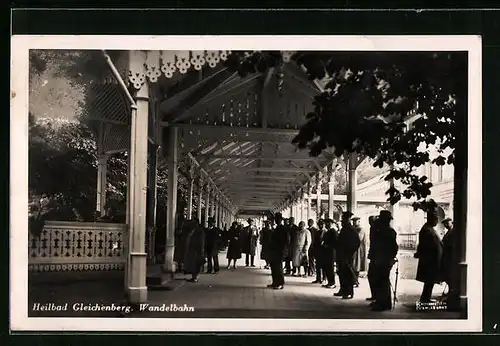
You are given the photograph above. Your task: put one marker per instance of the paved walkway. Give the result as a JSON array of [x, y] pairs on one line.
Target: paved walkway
[[242, 293]]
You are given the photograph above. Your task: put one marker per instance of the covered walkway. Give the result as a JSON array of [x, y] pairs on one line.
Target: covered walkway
[[236, 293]]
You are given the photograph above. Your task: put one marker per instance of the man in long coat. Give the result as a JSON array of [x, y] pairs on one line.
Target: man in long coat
[[372, 220], [360, 255], [194, 254], [279, 245], [450, 260], [249, 238], [212, 236], [300, 247], [348, 243], [292, 230], [312, 266], [234, 246], [317, 250], [383, 253], [328, 246], [429, 253]]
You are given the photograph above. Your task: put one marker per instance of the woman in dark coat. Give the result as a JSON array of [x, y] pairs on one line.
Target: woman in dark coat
[[234, 247], [265, 241], [194, 255], [429, 254]]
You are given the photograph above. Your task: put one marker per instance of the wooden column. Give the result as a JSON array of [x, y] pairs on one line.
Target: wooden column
[[207, 205], [190, 193], [173, 171], [212, 203], [200, 196], [318, 196], [309, 193], [216, 213], [331, 190], [153, 199], [303, 207], [102, 172], [351, 183], [136, 268]]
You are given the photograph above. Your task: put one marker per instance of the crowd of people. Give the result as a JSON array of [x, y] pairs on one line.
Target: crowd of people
[[320, 251]]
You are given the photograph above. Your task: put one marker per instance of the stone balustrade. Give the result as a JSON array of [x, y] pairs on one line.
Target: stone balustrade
[[78, 246]]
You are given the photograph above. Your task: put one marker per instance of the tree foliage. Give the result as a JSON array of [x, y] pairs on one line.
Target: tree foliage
[[63, 167], [366, 101]]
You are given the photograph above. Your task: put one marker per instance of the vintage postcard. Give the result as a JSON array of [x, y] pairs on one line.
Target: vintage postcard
[[246, 183]]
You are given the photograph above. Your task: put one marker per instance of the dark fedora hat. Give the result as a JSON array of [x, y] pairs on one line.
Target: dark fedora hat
[[385, 214], [347, 214]]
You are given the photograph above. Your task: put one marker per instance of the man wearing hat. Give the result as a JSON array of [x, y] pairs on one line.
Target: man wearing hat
[[250, 236], [383, 251], [329, 245], [348, 243], [318, 251], [212, 246], [278, 247], [448, 266], [429, 253]]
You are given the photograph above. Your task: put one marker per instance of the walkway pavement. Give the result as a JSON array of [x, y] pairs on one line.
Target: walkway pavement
[[236, 293]]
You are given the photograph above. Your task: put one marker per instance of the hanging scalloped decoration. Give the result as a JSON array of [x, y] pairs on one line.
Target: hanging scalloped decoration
[[198, 59], [152, 65], [287, 55], [212, 57], [168, 63], [223, 54], [182, 61], [136, 75]]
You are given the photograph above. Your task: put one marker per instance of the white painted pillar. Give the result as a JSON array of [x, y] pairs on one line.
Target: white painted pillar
[[216, 207], [352, 183], [318, 195], [331, 190], [136, 269], [207, 206], [200, 197], [153, 199], [102, 170], [173, 171], [309, 194], [190, 194]]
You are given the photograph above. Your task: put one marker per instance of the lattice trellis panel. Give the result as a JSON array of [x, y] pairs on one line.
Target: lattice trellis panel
[[106, 101], [117, 137]]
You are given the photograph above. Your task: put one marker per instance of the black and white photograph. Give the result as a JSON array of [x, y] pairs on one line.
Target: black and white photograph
[[246, 183]]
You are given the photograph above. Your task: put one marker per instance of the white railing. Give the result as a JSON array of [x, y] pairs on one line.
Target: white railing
[[408, 241], [78, 246]]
